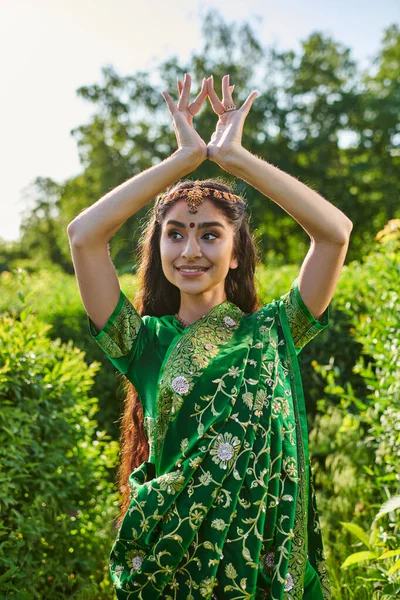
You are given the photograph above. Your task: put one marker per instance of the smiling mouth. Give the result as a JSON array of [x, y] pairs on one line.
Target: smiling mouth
[[190, 271]]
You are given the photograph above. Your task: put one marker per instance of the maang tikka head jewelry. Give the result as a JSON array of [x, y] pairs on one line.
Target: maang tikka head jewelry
[[195, 196]]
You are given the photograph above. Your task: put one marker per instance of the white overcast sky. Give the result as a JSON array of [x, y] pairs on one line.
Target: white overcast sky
[[49, 48]]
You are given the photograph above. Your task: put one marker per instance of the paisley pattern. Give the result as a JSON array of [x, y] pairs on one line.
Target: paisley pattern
[[227, 509]]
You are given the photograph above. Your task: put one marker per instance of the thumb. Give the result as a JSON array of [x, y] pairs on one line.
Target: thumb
[[169, 101], [248, 103]]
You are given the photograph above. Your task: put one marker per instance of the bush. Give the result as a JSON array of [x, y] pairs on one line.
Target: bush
[[357, 433], [57, 503]]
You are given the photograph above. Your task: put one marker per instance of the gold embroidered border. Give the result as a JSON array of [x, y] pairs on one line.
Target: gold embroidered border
[[121, 330], [298, 553], [300, 325], [188, 359]]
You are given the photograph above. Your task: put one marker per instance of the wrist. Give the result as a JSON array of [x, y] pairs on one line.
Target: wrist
[[190, 159], [232, 159]]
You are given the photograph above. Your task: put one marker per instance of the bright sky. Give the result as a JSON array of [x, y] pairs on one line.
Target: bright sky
[[50, 48]]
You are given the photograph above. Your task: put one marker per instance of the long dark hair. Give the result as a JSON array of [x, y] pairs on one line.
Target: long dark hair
[[157, 296]]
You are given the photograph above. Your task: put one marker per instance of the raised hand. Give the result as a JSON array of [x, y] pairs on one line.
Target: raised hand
[[227, 137], [182, 116]]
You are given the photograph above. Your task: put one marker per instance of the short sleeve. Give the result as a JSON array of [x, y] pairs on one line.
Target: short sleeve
[[302, 323], [123, 336]]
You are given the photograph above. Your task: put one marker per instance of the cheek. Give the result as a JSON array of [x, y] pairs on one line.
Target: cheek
[[168, 254]]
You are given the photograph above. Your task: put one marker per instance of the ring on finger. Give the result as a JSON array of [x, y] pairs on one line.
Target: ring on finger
[[228, 108]]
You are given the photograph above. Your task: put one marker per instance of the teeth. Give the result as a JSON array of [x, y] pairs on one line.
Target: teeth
[[191, 270]]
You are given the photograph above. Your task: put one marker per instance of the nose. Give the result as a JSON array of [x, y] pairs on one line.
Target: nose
[[192, 248]]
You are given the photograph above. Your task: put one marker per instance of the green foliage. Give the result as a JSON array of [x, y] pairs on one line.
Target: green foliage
[[351, 383], [57, 503], [54, 298], [373, 541], [318, 117], [356, 437]]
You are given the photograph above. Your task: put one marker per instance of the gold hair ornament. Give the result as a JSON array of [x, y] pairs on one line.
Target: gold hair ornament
[[195, 195]]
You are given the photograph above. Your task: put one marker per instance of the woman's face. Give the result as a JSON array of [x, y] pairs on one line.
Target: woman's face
[[208, 246]]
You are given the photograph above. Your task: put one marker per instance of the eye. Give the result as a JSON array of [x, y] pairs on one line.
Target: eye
[[172, 233]]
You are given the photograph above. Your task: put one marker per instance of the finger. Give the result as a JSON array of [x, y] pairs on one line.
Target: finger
[[248, 103], [180, 86], [215, 101], [184, 97], [170, 103], [195, 106], [226, 93]]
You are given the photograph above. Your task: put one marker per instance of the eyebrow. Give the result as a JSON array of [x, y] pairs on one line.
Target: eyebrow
[[199, 225]]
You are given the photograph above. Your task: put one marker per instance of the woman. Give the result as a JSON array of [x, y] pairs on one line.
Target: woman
[[223, 504]]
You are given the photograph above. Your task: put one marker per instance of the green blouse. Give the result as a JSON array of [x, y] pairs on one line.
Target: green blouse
[[227, 509]]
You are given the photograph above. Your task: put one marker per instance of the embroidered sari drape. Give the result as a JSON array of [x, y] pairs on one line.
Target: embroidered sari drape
[[225, 506]]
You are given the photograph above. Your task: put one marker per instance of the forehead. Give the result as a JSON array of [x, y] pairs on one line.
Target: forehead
[[205, 212]]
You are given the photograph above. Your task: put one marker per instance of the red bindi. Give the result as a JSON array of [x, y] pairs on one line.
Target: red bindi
[[191, 224]]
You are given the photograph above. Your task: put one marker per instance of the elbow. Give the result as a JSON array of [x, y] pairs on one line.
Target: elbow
[[71, 231], [75, 234], [345, 232], [349, 228]]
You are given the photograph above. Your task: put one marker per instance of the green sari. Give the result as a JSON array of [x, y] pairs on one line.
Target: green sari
[[225, 506]]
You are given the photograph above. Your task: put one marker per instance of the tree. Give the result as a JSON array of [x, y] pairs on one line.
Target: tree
[[307, 104]]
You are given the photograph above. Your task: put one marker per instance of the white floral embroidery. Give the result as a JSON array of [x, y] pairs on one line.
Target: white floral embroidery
[[134, 559], [180, 384], [225, 450], [289, 583], [269, 560], [229, 322]]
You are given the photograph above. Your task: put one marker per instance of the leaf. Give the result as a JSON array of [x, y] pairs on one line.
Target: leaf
[[230, 571], [393, 589], [246, 553], [357, 558], [395, 568], [388, 554], [374, 539], [357, 532]]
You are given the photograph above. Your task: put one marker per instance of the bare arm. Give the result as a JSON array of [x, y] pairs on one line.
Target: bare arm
[[319, 218], [99, 222], [90, 232]]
